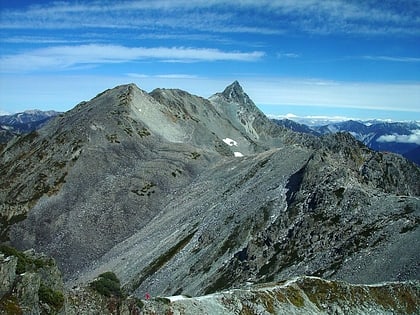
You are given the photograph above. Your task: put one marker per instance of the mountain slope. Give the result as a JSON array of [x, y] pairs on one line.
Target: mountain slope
[[179, 194]]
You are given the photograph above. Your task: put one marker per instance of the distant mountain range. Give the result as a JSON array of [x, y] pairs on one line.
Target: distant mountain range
[[20, 123], [398, 137]]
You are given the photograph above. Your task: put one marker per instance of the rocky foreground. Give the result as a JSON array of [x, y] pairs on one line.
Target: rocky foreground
[[40, 291]]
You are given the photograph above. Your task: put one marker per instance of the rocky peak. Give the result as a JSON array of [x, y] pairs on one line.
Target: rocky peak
[[234, 92]]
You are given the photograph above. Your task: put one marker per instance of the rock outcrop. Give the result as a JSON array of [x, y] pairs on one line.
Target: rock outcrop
[[30, 283], [305, 295]]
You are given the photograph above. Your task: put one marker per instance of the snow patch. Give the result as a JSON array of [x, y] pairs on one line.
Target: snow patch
[[230, 142], [238, 154], [176, 298]]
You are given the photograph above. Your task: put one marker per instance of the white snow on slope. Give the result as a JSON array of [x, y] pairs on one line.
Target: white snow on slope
[[230, 142]]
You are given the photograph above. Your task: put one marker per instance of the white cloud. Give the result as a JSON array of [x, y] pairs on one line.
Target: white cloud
[[287, 55], [314, 16], [62, 57], [392, 58], [314, 120], [163, 76], [411, 138]]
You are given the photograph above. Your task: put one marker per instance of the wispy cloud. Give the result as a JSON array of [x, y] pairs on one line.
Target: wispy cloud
[[268, 17], [414, 137], [287, 55], [64, 57], [392, 58], [163, 76], [40, 40]]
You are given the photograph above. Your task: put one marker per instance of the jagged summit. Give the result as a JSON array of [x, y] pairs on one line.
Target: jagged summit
[[233, 90], [235, 93]]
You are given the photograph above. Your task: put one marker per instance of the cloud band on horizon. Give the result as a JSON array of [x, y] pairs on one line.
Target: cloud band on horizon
[[64, 57], [414, 137]]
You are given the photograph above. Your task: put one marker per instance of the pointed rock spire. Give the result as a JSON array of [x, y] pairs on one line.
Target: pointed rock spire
[[234, 92]]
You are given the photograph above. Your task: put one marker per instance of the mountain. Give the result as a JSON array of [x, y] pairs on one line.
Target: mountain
[[295, 126], [20, 123], [397, 137], [413, 155], [177, 194]]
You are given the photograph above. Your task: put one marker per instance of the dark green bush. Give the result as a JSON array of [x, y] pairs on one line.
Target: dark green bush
[[107, 284], [53, 298], [24, 262]]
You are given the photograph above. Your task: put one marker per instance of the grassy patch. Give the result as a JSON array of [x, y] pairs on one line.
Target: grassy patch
[[9, 304], [53, 298], [144, 133], [113, 138], [159, 262], [24, 262], [294, 296], [223, 282]]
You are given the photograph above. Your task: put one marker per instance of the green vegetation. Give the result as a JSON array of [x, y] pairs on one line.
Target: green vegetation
[[107, 284], [112, 138], [163, 300], [408, 209], [410, 227], [6, 223], [53, 298], [144, 133], [222, 283], [267, 300], [9, 304], [295, 297], [339, 192], [24, 263], [147, 189], [161, 261], [176, 172], [129, 131], [195, 155]]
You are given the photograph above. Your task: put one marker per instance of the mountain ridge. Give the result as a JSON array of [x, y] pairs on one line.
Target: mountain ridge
[[148, 186]]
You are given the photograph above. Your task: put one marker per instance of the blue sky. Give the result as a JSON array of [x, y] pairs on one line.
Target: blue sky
[[356, 59]]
